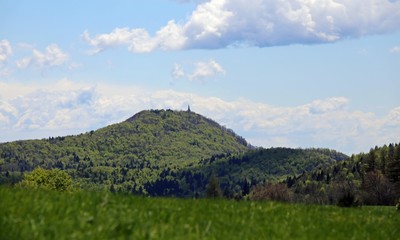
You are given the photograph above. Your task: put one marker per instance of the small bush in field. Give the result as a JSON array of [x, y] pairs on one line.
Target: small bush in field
[[54, 179]]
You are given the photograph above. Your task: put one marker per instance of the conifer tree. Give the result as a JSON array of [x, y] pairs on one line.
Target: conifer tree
[[371, 161], [213, 189], [393, 166]]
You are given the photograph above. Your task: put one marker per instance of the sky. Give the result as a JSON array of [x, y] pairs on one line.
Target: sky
[[280, 73]]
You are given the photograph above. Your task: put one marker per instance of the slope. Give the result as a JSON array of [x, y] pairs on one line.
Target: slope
[[371, 178], [237, 173], [132, 152], [162, 153]]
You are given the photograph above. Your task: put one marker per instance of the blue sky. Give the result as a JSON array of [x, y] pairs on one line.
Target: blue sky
[[290, 73]]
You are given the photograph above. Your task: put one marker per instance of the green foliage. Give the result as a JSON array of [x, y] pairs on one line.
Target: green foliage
[[213, 189], [160, 153], [239, 172], [87, 215], [130, 155], [372, 179], [53, 179]]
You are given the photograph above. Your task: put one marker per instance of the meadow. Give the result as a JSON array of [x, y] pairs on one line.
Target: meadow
[[35, 214]]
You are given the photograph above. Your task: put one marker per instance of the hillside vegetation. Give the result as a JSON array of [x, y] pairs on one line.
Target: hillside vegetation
[[367, 178], [130, 153], [86, 215], [238, 173], [160, 153]]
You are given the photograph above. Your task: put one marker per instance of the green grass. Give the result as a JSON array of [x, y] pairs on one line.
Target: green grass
[[90, 215]]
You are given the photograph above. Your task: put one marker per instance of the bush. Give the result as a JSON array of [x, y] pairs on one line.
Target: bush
[[348, 200], [54, 179], [272, 191]]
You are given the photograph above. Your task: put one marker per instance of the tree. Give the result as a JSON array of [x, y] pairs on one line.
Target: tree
[[383, 161], [393, 166], [213, 189], [54, 179], [343, 193], [245, 187], [377, 190], [371, 161]]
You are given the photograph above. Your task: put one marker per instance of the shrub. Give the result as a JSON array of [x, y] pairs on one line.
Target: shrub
[[54, 179], [272, 191], [348, 200]]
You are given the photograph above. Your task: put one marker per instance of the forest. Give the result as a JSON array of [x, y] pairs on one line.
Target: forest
[[183, 154], [371, 178]]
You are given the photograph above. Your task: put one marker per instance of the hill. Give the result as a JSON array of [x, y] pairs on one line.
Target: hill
[[371, 178], [160, 152], [134, 150], [238, 173]]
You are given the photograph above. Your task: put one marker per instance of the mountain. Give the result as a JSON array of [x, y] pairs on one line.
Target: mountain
[[139, 147], [160, 152]]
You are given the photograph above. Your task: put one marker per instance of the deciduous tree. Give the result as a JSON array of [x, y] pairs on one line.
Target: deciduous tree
[[54, 179]]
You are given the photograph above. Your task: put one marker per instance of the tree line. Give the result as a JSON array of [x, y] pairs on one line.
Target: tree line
[[371, 178]]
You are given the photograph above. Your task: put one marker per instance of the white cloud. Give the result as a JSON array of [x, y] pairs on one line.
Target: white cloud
[[65, 108], [201, 71], [178, 72], [53, 56], [395, 49], [223, 23], [5, 53], [323, 106], [5, 50], [206, 69], [138, 40], [24, 62]]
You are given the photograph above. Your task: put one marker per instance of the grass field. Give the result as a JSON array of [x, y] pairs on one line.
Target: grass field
[[88, 215]]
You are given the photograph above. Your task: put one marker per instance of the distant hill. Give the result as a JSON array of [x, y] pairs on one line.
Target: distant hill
[[238, 173], [160, 152], [372, 178], [138, 148]]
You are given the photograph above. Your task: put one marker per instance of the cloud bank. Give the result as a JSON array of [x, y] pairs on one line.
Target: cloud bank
[[226, 23], [64, 108]]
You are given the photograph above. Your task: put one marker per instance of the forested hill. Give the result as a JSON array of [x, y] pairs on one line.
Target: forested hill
[[370, 178], [143, 145], [238, 173], [160, 152]]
